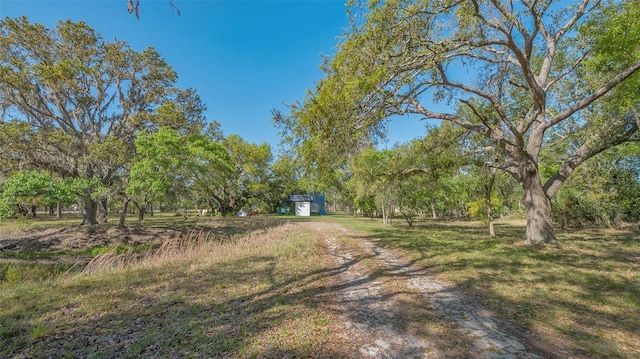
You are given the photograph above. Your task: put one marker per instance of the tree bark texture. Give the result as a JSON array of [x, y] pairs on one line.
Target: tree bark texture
[[538, 209], [123, 213], [141, 213], [90, 215], [102, 211]]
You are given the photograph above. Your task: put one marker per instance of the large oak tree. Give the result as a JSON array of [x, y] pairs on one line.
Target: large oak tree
[[508, 70], [73, 103]]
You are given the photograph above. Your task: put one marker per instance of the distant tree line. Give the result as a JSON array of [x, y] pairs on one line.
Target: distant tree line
[[96, 124]]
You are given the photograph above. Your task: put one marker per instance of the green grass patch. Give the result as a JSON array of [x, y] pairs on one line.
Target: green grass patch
[[582, 295], [41, 221], [14, 273]]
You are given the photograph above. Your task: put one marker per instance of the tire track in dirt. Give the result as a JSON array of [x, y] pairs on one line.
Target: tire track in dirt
[[370, 314]]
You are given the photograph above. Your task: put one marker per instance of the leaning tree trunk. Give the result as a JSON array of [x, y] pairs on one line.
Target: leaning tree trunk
[[538, 208], [102, 211]]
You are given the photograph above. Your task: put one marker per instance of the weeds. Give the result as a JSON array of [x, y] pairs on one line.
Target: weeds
[[186, 246]]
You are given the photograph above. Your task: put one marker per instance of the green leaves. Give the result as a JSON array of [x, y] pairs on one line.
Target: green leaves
[[169, 162], [618, 46], [161, 161], [33, 188], [79, 102]]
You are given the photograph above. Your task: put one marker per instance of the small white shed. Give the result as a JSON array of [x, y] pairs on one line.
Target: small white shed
[[303, 209]]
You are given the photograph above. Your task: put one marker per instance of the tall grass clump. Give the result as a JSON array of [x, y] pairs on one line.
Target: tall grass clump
[[190, 245]]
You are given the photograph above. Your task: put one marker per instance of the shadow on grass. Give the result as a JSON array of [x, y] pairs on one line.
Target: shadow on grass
[[241, 308], [578, 295]]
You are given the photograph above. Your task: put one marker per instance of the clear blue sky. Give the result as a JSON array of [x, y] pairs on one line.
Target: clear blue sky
[[243, 57]]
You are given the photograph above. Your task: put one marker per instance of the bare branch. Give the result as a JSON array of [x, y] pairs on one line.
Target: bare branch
[[579, 13]]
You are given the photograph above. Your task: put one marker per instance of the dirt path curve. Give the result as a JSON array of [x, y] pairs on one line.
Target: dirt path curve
[[371, 308]]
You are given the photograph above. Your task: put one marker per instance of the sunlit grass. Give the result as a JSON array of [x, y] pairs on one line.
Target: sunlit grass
[[260, 295], [240, 287], [582, 295]]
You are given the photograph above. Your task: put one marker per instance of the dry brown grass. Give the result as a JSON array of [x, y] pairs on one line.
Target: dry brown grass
[[261, 295]]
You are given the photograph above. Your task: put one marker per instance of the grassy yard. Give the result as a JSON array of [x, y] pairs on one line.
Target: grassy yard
[[260, 294], [582, 295], [255, 287]]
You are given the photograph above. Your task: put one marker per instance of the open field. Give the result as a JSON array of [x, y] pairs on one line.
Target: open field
[[261, 287]]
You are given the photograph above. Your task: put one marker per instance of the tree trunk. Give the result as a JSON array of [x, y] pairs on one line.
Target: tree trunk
[[89, 215], [22, 209], [34, 209], [384, 214], [123, 214], [538, 208], [487, 193], [212, 207], [434, 214], [141, 213], [59, 211], [102, 211], [142, 209], [408, 218], [492, 231]]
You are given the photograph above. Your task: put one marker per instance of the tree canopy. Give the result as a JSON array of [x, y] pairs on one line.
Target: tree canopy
[[73, 103]]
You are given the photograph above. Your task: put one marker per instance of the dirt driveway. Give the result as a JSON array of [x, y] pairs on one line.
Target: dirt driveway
[[393, 309]]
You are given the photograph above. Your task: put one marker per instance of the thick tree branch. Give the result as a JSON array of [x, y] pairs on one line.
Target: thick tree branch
[[595, 145], [594, 96]]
